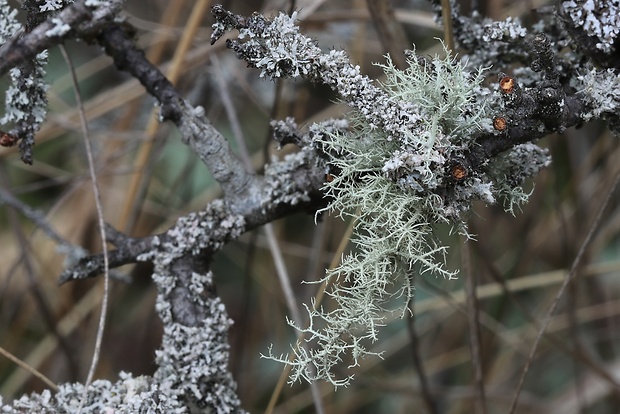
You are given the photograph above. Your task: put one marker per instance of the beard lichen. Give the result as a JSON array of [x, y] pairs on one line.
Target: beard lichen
[[399, 171], [394, 186]]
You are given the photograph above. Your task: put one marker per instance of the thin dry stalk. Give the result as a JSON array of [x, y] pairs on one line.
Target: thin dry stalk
[[429, 399], [571, 275], [102, 230], [474, 327], [29, 368]]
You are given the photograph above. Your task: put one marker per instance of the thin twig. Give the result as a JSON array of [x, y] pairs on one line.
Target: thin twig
[[427, 395], [484, 319], [446, 14], [231, 113], [39, 219], [102, 229], [283, 276], [571, 275], [39, 294], [510, 288], [573, 328], [390, 31], [47, 345], [291, 303], [28, 368], [474, 327]]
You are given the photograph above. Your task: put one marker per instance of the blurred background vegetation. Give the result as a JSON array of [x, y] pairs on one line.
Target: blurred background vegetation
[[149, 178]]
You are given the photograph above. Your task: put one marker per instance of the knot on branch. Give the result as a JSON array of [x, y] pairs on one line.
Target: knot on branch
[[225, 21], [529, 113]]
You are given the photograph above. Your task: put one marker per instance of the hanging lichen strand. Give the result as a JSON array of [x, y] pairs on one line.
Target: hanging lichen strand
[[407, 163], [397, 187]]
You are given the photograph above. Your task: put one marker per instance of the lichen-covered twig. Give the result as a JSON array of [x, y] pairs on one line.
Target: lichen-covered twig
[[26, 56], [287, 186], [533, 112], [82, 19]]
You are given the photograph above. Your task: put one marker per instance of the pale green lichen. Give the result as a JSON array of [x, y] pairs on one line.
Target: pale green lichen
[[394, 181], [393, 173]]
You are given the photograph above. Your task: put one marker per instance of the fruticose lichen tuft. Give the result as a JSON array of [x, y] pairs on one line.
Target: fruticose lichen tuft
[[400, 170]]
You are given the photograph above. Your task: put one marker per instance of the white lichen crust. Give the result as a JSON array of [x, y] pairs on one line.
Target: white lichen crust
[[52, 5], [510, 169], [25, 99], [197, 231], [127, 395], [281, 182], [601, 91], [9, 25], [598, 18], [193, 360]]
